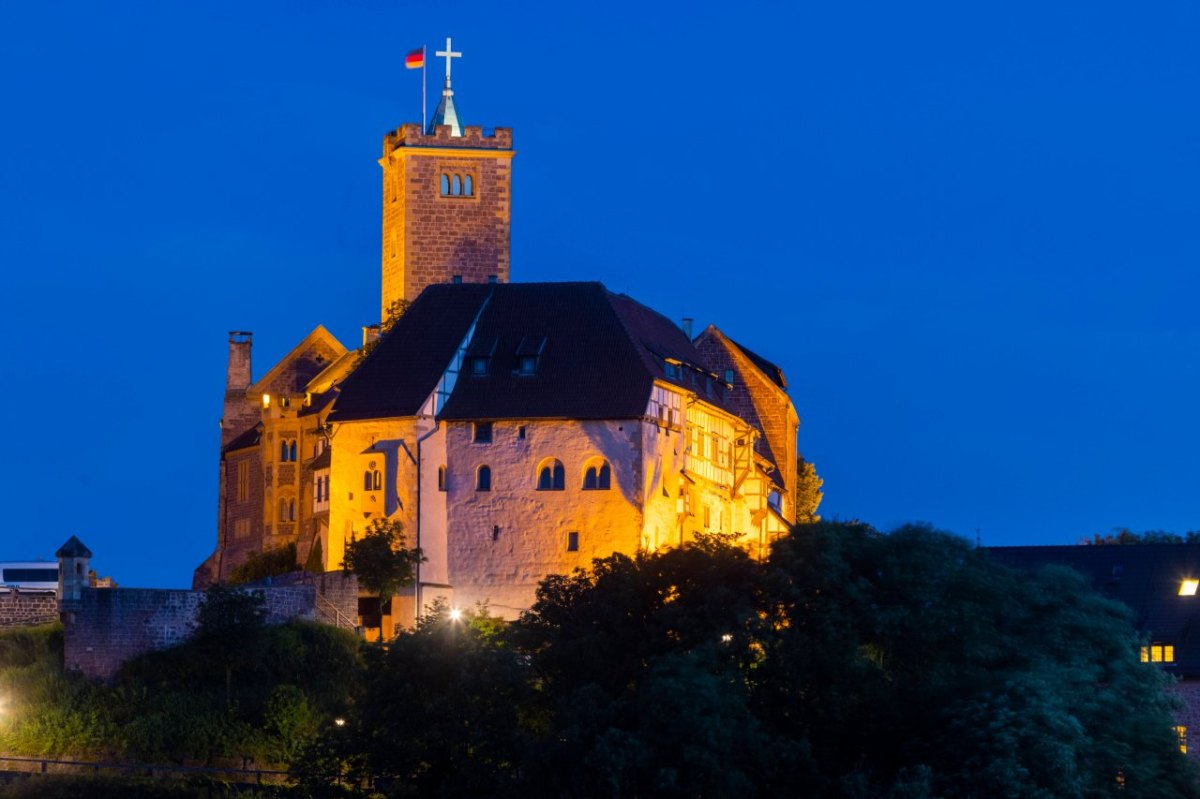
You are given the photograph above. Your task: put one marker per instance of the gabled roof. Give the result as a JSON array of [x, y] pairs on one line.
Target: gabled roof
[[1145, 577], [319, 339], [773, 372], [250, 438], [597, 355], [403, 369]]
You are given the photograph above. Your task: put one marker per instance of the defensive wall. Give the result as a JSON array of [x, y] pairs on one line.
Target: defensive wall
[[23, 609]]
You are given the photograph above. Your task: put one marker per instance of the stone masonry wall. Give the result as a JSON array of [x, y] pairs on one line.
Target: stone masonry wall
[[1188, 715], [428, 237], [24, 610], [110, 626]]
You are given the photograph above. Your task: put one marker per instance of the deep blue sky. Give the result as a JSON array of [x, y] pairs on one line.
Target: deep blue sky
[[967, 231]]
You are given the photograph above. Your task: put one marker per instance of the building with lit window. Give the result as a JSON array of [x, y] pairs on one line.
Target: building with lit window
[[1158, 582], [516, 430]]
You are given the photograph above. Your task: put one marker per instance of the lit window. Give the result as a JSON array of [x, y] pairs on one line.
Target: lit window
[[483, 433], [597, 478], [1158, 653], [1181, 734], [266, 399], [1188, 587], [552, 476], [573, 541], [483, 479]]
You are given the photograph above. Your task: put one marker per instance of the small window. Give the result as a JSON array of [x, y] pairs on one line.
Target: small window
[[573, 541], [445, 185], [456, 185], [483, 479], [1158, 653], [528, 365], [372, 480], [483, 433], [479, 367], [468, 186], [495, 532], [441, 478], [1188, 587], [456, 279], [521, 433], [597, 478], [552, 477], [1181, 734]]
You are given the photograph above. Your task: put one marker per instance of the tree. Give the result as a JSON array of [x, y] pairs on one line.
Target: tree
[[261, 565], [380, 561], [228, 630], [808, 491]]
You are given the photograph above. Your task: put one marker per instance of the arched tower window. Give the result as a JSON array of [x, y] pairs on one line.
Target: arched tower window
[[445, 184], [372, 480], [597, 476], [551, 476], [483, 479], [456, 185], [468, 186]]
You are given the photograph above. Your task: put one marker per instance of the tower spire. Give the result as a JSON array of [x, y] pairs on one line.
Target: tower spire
[[446, 113]]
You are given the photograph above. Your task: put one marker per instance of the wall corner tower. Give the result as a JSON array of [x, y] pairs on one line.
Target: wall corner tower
[[446, 204]]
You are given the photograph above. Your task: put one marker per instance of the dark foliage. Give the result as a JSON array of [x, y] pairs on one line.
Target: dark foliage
[[261, 565]]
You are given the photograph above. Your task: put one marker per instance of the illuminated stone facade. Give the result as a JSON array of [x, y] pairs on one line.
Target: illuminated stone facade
[[516, 430]]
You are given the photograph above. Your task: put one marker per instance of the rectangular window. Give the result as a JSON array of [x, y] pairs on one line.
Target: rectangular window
[[1158, 653], [483, 433], [573, 541], [1181, 734], [243, 481], [521, 433]]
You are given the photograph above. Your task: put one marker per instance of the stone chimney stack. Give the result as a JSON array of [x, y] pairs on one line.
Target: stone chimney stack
[[371, 334], [73, 560], [238, 415]]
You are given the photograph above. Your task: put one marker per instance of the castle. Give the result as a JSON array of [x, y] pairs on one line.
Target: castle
[[516, 430]]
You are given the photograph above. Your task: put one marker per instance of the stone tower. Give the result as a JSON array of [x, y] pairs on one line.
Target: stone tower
[[446, 204], [238, 414], [73, 559]]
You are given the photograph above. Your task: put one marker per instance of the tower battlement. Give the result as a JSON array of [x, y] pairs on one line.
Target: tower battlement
[[410, 135]]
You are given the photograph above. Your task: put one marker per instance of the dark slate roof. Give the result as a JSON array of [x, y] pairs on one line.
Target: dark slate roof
[[405, 366], [250, 438], [322, 461], [74, 548], [766, 367], [1145, 577], [599, 354]]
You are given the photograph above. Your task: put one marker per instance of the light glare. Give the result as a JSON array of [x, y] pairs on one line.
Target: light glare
[[1188, 587]]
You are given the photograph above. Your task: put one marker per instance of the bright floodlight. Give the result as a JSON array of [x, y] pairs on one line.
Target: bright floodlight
[[1188, 587], [340, 722], [455, 614]]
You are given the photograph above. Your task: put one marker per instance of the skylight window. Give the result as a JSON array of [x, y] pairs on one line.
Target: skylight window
[[1188, 587]]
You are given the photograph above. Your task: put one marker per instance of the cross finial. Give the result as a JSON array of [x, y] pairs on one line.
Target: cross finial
[[448, 53]]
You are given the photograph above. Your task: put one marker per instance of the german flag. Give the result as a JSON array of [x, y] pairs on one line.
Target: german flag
[[415, 59]]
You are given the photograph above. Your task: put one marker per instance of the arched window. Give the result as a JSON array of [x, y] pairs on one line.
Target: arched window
[[445, 185], [598, 477], [291, 510], [468, 186], [483, 479], [292, 450], [283, 451], [441, 478], [372, 480], [552, 476], [283, 510], [456, 185]]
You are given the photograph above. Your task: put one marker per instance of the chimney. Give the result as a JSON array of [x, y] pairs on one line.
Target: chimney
[[687, 326], [237, 376], [370, 334]]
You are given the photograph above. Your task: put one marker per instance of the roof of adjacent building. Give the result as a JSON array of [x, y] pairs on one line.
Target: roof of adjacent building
[[597, 355], [249, 438], [1145, 577]]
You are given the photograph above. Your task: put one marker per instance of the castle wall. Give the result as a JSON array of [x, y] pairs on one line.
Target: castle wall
[[504, 541], [1188, 714], [23, 609], [109, 626]]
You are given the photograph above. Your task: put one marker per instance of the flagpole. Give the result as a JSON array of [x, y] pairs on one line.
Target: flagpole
[[423, 82]]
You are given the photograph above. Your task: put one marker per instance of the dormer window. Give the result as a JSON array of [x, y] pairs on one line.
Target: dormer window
[[479, 356], [529, 353]]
